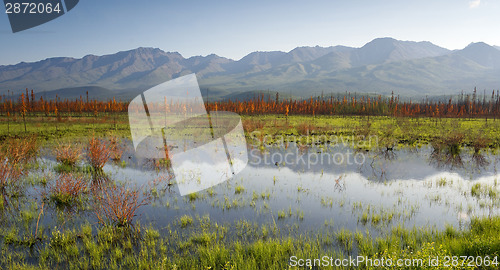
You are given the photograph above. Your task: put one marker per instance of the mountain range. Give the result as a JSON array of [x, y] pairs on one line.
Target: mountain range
[[382, 66]]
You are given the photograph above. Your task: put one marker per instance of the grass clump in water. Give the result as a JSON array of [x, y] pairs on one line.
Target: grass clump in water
[[193, 196], [185, 221], [210, 247], [239, 189]]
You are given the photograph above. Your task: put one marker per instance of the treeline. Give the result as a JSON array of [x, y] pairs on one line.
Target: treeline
[[464, 105], [28, 104]]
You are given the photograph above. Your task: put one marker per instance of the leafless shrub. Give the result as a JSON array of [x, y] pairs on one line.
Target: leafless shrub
[[305, 128], [116, 205], [449, 144], [20, 151], [252, 124], [480, 143], [68, 154], [67, 188], [116, 147], [9, 173], [98, 153]]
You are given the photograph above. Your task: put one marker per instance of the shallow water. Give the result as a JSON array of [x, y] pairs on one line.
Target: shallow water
[[304, 193]]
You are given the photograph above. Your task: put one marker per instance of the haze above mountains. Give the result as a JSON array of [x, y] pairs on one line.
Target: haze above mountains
[[381, 66]]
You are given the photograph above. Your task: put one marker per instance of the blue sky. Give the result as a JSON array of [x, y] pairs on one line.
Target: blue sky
[[236, 28]]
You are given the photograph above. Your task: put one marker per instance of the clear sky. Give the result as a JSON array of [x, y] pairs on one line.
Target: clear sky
[[235, 28]]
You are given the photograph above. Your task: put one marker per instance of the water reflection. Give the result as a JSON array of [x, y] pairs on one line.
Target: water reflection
[[480, 160], [339, 184], [396, 164], [395, 186], [99, 180], [446, 160]]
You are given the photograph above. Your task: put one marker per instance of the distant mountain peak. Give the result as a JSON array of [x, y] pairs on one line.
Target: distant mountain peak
[[478, 46], [481, 53], [385, 39], [386, 42], [380, 65], [387, 49]]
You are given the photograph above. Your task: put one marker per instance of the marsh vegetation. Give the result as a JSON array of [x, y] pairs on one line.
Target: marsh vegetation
[[75, 196]]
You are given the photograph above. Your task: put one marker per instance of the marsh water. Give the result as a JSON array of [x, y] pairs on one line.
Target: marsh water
[[305, 189]]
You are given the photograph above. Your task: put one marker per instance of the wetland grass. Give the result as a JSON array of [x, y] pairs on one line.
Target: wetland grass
[[185, 221], [208, 246], [189, 244], [239, 189], [193, 196], [393, 131]]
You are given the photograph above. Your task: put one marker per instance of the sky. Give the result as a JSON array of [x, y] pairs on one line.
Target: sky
[[235, 28]]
